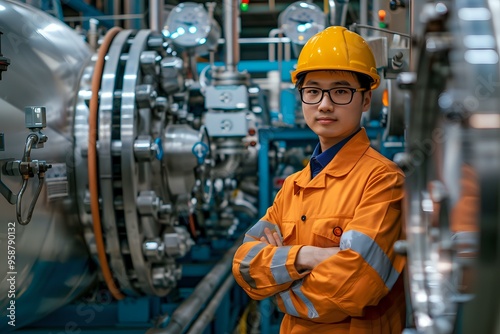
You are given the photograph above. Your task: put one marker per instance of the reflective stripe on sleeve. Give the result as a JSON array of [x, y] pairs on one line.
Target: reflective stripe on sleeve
[[257, 231], [311, 311], [245, 264], [468, 238], [289, 307], [372, 254], [278, 267]]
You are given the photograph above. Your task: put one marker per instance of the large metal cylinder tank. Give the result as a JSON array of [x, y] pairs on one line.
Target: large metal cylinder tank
[[47, 59]]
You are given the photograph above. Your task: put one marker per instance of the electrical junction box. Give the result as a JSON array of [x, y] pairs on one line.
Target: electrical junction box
[[226, 97], [226, 124], [35, 117]]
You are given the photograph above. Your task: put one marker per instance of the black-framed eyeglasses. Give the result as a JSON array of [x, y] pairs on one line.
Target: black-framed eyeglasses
[[338, 95]]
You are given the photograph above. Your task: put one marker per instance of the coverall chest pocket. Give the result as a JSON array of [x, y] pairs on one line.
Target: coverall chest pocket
[[288, 231], [328, 231]]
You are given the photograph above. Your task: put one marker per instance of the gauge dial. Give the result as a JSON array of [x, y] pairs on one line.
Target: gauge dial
[[188, 25], [302, 20]]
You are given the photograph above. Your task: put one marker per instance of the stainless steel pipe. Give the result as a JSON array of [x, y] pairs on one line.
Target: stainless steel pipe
[[183, 316]]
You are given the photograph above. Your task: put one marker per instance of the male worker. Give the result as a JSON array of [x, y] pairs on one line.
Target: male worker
[[324, 249]]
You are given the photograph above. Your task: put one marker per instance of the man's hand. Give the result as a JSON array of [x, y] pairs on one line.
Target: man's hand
[[309, 257], [271, 238]]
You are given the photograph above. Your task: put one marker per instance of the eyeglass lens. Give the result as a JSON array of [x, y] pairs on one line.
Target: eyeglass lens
[[339, 95]]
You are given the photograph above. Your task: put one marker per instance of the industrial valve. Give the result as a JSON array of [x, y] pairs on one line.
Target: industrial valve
[[26, 167]]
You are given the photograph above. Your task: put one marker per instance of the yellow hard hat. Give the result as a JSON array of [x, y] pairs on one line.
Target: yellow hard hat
[[337, 48]]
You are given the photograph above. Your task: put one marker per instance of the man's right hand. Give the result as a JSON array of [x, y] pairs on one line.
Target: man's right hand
[[310, 256]]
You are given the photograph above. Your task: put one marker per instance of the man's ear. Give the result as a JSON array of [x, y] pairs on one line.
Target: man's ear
[[367, 99]]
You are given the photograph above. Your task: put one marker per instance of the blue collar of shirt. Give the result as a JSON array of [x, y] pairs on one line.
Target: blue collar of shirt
[[320, 159]]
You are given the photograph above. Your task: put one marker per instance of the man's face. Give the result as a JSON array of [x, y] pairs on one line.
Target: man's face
[[332, 122]]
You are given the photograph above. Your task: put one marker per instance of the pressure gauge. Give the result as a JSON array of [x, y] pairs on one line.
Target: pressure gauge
[[302, 20], [189, 25]]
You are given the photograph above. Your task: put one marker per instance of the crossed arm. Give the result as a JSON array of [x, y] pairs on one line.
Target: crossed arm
[[308, 257]]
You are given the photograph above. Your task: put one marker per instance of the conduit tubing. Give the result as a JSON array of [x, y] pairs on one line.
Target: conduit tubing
[[231, 31], [155, 15], [184, 314], [228, 168], [32, 139], [208, 313], [92, 163]]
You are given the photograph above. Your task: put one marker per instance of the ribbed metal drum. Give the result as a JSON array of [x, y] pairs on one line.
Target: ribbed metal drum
[[47, 59]]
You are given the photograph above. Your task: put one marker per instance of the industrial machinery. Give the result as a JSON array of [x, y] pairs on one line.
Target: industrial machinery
[[150, 151], [451, 163], [135, 178]]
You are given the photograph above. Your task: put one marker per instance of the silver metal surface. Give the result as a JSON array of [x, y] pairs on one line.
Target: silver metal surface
[[81, 131], [155, 15], [227, 124], [171, 71], [133, 193], [452, 189], [46, 65], [208, 313], [105, 164], [129, 168], [416, 28], [53, 68], [232, 52], [339, 15], [332, 7], [485, 156], [126, 162], [230, 97], [144, 149], [178, 157], [206, 288], [395, 116]]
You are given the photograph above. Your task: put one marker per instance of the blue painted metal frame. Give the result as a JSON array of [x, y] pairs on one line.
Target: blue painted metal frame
[[87, 10], [136, 8], [52, 7], [266, 136], [259, 66], [391, 146]]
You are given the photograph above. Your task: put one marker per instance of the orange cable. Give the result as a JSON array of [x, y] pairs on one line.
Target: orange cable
[[192, 226], [92, 162]]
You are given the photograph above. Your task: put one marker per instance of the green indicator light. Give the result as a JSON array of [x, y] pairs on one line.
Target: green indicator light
[[244, 7]]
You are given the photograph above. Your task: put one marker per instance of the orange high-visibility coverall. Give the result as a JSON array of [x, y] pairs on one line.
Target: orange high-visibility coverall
[[355, 203]]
